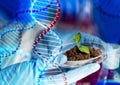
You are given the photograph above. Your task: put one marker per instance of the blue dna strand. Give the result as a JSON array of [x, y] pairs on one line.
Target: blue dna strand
[[47, 48], [9, 44], [23, 21], [37, 13], [48, 16], [9, 41], [48, 44], [45, 15], [24, 18]]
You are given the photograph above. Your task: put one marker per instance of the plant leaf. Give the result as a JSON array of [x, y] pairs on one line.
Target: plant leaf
[[76, 38], [84, 49]]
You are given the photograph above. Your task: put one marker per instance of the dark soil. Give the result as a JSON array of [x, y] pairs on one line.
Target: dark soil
[[74, 54]]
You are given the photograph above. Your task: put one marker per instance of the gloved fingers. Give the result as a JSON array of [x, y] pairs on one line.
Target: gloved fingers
[[81, 72], [60, 59], [96, 43], [51, 63], [116, 47], [112, 62], [99, 60], [49, 45], [71, 76], [87, 38], [52, 80], [90, 40], [54, 42]]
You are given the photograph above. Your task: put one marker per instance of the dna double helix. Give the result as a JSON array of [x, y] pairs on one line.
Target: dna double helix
[[47, 41], [23, 19], [44, 14]]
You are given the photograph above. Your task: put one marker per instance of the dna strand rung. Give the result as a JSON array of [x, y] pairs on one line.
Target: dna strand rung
[[47, 44], [25, 22], [9, 43], [25, 16], [48, 16], [43, 46]]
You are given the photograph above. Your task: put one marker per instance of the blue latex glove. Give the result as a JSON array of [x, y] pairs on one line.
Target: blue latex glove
[[27, 72], [112, 57]]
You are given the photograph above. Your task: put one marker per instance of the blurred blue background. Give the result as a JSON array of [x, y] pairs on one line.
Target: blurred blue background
[[107, 18]]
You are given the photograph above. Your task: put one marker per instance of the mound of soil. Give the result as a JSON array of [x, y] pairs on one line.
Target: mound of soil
[[74, 54]]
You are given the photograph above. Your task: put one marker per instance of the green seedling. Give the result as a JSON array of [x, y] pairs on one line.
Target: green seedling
[[84, 49], [76, 39]]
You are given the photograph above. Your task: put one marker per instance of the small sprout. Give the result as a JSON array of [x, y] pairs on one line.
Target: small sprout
[[84, 49], [76, 38]]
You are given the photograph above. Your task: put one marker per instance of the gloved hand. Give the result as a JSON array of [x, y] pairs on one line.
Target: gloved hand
[[29, 73], [108, 49], [112, 55], [53, 43], [32, 71], [85, 38], [67, 77]]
